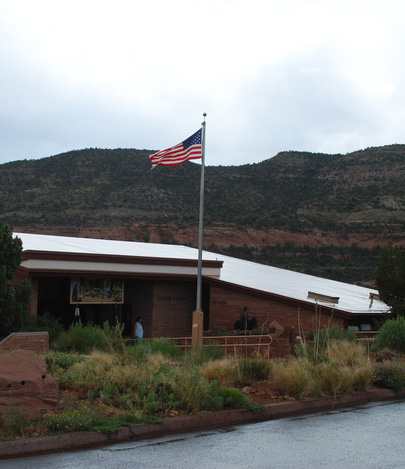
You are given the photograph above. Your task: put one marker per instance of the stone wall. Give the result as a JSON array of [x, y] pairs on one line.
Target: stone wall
[[37, 342]]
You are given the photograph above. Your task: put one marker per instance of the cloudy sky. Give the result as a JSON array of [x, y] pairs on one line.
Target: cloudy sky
[[272, 75]]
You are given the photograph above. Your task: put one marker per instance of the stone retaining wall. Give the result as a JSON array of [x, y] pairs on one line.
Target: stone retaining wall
[[37, 342]]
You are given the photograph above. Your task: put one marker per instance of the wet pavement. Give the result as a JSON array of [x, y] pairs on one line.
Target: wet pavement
[[370, 436]]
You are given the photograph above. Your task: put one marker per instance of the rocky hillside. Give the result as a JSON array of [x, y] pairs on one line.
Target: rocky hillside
[[317, 213]]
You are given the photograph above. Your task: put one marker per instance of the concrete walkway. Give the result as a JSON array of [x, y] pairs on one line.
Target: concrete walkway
[[188, 423]]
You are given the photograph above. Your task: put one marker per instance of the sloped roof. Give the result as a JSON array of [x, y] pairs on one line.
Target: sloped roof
[[285, 283]]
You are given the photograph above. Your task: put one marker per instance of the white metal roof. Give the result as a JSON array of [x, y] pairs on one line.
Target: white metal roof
[[282, 282]]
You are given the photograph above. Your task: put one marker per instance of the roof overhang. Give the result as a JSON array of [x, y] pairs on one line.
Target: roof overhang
[[49, 263], [326, 307]]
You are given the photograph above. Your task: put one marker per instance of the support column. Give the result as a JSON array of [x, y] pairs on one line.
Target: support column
[[197, 330]]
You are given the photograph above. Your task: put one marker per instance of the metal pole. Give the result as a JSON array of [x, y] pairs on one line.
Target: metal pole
[[201, 217]]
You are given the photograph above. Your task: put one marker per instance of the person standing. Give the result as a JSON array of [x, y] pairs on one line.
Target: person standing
[[138, 330]]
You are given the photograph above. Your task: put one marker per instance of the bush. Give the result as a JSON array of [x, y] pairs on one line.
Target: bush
[[334, 378], [57, 362], [223, 371], [15, 424], [391, 336], [390, 375], [204, 354], [346, 353], [292, 377], [322, 341], [45, 323], [165, 346], [232, 398], [250, 370], [84, 339], [328, 334]]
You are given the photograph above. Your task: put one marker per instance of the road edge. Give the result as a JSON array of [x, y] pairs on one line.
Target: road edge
[[189, 423]]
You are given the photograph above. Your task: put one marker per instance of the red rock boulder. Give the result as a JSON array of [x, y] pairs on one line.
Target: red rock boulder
[[25, 384]]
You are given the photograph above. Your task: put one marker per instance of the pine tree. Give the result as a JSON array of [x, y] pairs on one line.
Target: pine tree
[[13, 298], [390, 278]]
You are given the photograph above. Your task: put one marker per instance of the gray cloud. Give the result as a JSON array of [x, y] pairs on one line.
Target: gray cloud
[[284, 79]]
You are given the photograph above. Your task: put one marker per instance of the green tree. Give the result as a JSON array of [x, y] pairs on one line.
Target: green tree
[[390, 278], [13, 298]]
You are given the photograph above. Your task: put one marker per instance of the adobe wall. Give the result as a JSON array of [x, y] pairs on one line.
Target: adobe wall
[[226, 306], [37, 342]]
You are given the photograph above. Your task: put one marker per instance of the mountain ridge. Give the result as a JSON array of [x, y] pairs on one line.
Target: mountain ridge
[[289, 210]]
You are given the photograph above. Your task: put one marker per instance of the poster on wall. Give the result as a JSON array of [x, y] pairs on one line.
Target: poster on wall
[[96, 290]]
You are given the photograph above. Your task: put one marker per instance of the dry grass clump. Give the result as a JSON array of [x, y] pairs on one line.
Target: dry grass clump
[[342, 367], [343, 352], [332, 378], [224, 371], [345, 368], [292, 377], [251, 370], [237, 370]]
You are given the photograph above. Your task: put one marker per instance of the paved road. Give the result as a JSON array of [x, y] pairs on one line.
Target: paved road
[[369, 437]]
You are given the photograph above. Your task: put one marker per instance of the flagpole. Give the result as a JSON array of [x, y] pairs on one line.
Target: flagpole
[[201, 217]]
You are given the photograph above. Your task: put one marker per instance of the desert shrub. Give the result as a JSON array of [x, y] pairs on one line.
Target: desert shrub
[[87, 374], [165, 346], [191, 389], [329, 378], [250, 370], [346, 353], [343, 349], [59, 362], [232, 398], [18, 423], [292, 377], [334, 378], [44, 322], [323, 337], [391, 336], [88, 417], [305, 351], [113, 337], [204, 354], [224, 371], [15, 424], [390, 375], [344, 367], [81, 339], [71, 421], [362, 377], [84, 339]]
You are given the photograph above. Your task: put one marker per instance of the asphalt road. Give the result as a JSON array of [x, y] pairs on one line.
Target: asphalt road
[[370, 436]]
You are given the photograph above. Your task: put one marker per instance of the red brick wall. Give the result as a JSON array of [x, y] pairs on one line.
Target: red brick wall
[[227, 304], [33, 305], [37, 342], [173, 306]]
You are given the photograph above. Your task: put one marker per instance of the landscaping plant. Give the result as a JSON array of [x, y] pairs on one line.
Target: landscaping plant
[[391, 336]]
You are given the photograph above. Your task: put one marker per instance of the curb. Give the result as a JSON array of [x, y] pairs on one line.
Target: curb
[[188, 423]]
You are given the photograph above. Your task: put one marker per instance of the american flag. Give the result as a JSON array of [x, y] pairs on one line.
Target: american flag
[[190, 149]]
